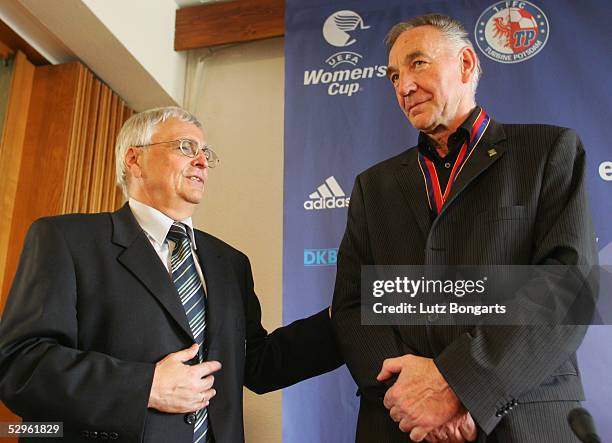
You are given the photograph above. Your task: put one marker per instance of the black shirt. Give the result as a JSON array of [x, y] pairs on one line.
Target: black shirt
[[444, 165]]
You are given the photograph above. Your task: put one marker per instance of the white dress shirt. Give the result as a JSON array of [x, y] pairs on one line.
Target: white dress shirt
[[156, 226]]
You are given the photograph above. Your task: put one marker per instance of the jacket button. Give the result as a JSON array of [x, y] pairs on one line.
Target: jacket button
[[190, 418]]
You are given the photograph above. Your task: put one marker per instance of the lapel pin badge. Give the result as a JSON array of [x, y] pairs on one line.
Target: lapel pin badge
[[492, 152]]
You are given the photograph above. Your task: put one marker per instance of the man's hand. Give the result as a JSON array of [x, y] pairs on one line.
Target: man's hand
[[458, 430], [421, 400], [178, 387]]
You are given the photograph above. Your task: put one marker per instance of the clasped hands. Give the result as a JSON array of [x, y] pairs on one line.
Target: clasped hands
[[420, 400], [423, 403], [180, 388]]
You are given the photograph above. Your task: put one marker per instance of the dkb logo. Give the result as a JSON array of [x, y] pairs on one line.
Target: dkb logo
[[320, 257]]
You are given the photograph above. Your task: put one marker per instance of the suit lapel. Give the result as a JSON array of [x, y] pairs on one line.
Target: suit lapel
[[215, 269], [410, 180], [142, 261], [486, 153]]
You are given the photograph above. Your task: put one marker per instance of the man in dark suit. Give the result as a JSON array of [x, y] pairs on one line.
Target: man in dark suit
[[473, 192], [116, 322]]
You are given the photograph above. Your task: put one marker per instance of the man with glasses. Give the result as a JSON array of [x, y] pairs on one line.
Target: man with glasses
[[133, 325]]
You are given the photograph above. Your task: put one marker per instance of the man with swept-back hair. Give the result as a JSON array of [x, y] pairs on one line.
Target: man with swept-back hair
[[472, 192], [116, 322], [451, 28]]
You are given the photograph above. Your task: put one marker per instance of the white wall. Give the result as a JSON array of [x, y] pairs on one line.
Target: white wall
[[241, 105], [146, 29], [129, 45]]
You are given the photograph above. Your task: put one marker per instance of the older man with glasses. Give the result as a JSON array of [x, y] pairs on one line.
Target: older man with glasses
[[116, 322]]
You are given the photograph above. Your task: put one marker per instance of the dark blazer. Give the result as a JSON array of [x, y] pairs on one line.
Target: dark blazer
[[92, 308], [520, 200]]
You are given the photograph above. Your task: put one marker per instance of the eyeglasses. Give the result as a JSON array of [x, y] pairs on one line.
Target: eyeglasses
[[191, 148]]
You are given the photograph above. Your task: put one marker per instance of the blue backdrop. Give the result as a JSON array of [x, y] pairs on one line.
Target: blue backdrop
[[341, 117]]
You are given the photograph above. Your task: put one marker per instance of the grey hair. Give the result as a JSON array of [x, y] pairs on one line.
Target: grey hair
[[451, 28], [139, 129]]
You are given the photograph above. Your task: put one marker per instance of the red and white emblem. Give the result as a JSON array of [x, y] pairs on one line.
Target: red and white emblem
[[511, 32]]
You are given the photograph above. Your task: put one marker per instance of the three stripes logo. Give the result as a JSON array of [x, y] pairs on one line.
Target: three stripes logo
[[327, 196]]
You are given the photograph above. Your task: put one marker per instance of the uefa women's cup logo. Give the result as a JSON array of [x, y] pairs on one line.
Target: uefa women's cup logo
[[342, 27]]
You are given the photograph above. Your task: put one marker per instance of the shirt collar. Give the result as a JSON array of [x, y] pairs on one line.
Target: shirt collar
[[157, 224], [455, 141]]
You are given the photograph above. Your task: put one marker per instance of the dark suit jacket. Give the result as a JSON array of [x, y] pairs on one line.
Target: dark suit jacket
[[91, 310], [523, 205]]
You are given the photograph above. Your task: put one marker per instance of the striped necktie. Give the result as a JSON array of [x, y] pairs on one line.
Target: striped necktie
[[191, 292]]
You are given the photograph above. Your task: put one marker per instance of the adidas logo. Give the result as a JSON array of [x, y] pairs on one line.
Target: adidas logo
[[327, 196]]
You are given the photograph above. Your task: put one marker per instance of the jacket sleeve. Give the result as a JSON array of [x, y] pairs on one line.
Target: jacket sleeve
[[364, 347], [44, 375], [492, 366], [301, 350]]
